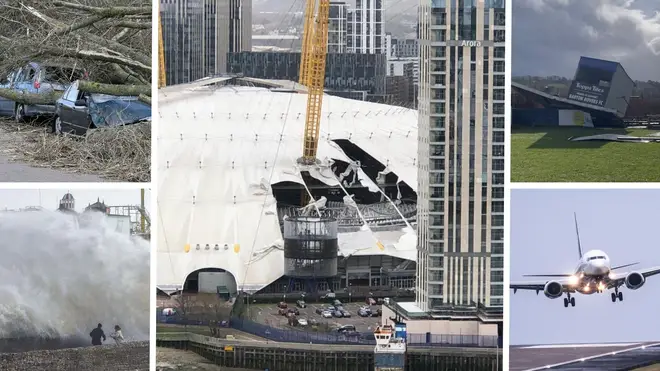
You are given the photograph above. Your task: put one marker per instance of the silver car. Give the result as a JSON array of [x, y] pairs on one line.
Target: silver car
[[35, 78]]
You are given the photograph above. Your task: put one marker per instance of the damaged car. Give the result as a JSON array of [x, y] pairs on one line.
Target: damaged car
[[36, 78], [77, 111]]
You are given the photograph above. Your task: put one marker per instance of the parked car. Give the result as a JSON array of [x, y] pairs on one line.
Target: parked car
[[346, 328], [77, 111], [319, 310], [337, 314], [313, 322], [345, 313], [302, 322], [36, 78], [301, 304], [330, 295], [377, 313], [327, 314], [336, 303], [294, 310], [364, 312], [370, 301], [282, 311], [282, 305]]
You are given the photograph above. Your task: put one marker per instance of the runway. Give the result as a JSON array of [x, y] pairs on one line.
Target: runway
[[583, 357]]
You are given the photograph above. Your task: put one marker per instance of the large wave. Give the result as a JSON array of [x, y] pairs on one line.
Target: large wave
[[61, 274]]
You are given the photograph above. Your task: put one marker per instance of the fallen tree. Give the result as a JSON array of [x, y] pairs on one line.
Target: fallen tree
[[110, 39], [142, 91]]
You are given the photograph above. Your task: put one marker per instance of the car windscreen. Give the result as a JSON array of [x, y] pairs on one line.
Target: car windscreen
[[109, 111], [62, 75]]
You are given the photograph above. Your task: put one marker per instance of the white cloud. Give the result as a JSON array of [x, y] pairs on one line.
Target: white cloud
[[549, 36]]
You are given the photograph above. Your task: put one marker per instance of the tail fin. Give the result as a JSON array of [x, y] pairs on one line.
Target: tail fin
[[577, 233]]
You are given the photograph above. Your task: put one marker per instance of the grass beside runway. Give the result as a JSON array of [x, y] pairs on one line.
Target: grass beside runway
[[546, 155]]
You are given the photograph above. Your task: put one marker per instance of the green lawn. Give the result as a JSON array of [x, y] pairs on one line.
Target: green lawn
[[546, 155]]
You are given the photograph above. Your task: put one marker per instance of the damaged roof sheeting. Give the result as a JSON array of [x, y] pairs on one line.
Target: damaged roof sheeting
[[110, 111], [222, 149]]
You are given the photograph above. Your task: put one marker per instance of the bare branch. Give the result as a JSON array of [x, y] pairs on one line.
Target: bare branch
[[117, 11], [126, 24]]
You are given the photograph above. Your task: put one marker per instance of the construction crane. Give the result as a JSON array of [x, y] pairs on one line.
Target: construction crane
[[312, 73], [161, 54]]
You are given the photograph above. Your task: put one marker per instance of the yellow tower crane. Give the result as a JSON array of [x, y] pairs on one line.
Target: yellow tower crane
[[161, 54], [312, 73]]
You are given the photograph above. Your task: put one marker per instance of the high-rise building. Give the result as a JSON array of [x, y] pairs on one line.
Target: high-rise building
[[366, 28], [461, 157], [337, 27], [198, 34]]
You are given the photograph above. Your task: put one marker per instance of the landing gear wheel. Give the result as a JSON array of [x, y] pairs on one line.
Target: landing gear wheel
[[565, 303], [620, 296], [614, 296], [19, 113], [572, 302]]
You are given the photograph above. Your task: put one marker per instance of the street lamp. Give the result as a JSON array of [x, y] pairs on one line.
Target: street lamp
[[284, 296], [349, 292]]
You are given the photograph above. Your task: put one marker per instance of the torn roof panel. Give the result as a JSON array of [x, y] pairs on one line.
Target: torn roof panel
[[216, 144]]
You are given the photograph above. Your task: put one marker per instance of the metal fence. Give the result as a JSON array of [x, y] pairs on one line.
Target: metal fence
[[296, 336]]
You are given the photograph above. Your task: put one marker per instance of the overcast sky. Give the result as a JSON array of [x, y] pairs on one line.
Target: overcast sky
[[622, 223], [549, 36], [49, 198]]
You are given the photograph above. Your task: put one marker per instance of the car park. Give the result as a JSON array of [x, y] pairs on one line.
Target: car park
[[301, 304], [282, 305], [345, 314], [282, 311], [302, 322], [294, 310], [337, 314], [326, 314]]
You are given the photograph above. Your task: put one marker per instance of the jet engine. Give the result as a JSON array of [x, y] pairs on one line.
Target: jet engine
[[634, 280], [552, 289]]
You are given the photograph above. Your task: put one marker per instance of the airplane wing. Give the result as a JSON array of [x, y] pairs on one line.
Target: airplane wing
[[619, 278], [539, 286]]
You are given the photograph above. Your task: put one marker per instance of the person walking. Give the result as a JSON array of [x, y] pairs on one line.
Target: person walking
[[97, 334], [117, 335]]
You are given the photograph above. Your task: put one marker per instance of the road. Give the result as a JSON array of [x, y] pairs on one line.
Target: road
[[11, 171]]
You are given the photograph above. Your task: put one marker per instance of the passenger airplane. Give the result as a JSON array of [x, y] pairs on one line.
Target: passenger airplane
[[593, 274]]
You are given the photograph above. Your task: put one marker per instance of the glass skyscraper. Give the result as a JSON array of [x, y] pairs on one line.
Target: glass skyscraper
[[461, 155]]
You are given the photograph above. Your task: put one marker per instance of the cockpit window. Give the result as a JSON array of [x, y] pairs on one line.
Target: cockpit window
[[595, 257]]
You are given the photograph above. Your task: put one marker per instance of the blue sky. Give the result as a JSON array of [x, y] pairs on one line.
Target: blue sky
[[623, 223], [549, 36]]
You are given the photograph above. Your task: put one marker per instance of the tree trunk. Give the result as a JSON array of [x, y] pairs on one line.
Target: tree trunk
[[142, 91], [119, 90], [31, 99]]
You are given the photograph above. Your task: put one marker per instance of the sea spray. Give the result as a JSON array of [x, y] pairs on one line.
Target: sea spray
[[61, 274]]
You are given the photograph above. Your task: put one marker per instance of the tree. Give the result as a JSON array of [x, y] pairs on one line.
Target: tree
[[110, 39]]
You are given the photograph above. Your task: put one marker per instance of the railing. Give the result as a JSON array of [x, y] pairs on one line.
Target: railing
[[376, 214], [296, 336]]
